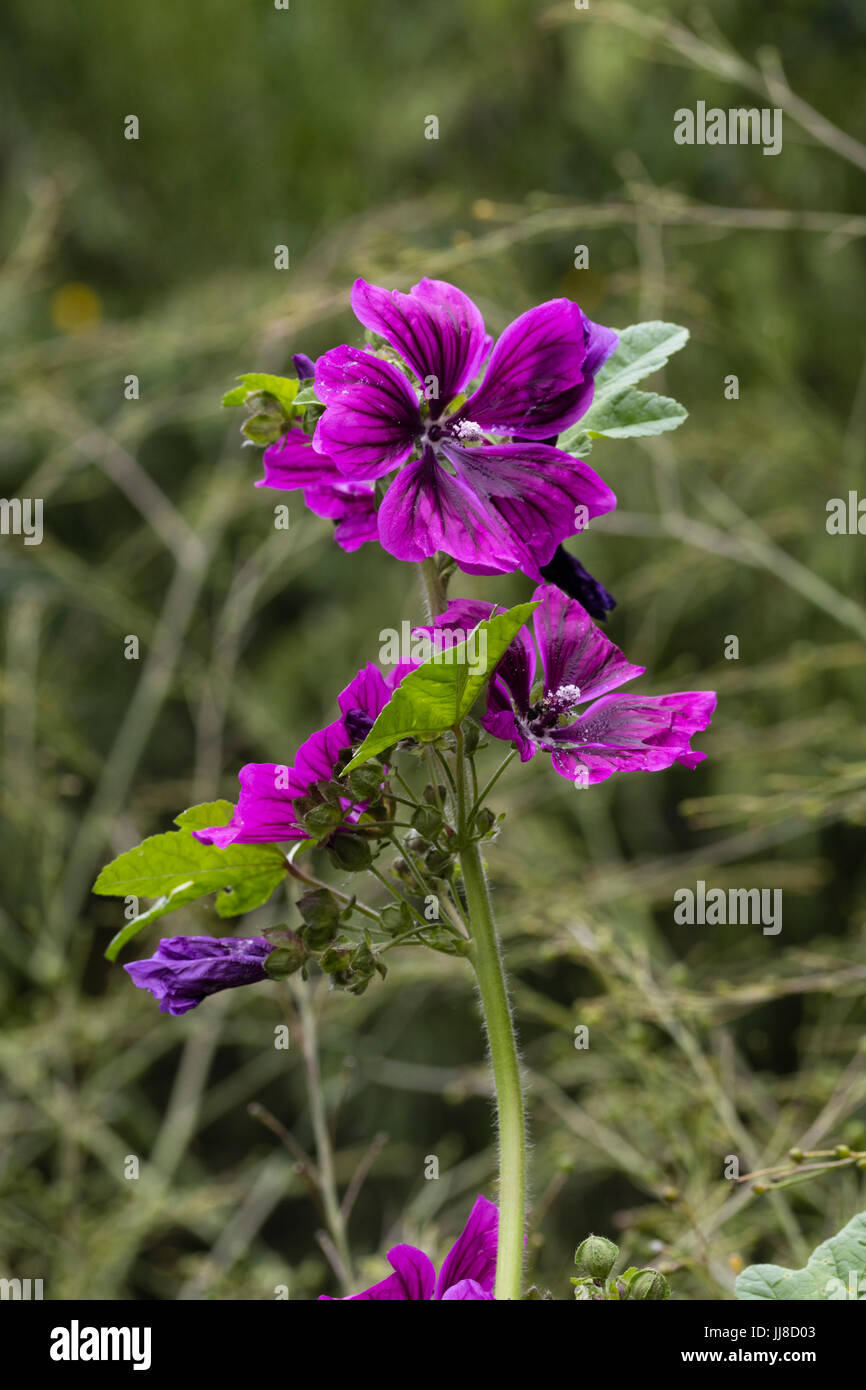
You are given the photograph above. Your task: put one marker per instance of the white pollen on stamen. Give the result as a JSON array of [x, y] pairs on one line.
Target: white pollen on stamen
[[467, 429], [568, 694]]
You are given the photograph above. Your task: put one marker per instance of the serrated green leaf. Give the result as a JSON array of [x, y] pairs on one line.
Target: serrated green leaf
[[628, 413], [826, 1275], [175, 869], [643, 348], [184, 893], [285, 388], [437, 695]]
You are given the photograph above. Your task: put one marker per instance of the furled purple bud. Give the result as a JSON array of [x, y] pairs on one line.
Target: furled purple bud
[[184, 970], [303, 365]]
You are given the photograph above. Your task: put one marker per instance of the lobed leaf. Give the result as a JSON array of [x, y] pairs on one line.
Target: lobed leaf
[[175, 869], [826, 1274]]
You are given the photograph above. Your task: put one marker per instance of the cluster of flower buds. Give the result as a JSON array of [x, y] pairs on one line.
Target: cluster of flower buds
[[596, 1259], [350, 964]]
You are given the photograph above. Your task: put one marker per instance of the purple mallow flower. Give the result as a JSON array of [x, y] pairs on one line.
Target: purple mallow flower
[[292, 463], [184, 970], [468, 1272], [265, 812], [616, 733], [479, 483]]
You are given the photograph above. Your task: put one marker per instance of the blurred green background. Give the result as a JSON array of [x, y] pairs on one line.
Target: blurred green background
[[154, 257]]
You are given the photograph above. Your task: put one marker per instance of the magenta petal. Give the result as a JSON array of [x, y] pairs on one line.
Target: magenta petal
[[425, 510], [500, 720], [372, 417], [510, 690], [292, 462], [463, 614], [468, 1289], [351, 506], [458, 620], [368, 691], [264, 813], [573, 650], [533, 491], [435, 328], [473, 1254], [601, 343], [317, 757], [535, 375], [627, 733], [412, 1281]]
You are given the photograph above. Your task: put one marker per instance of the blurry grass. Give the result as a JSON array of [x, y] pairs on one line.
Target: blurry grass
[[704, 1042]]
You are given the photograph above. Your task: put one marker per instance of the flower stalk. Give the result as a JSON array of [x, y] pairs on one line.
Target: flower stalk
[[490, 974], [487, 961]]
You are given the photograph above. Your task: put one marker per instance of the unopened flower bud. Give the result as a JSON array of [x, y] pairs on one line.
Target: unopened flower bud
[[321, 819], [648, 1284], [350, 852], [438, 861], [596, 1256], [286, 959], [321, 915], [365, 782], [264, 429], [427, 821]]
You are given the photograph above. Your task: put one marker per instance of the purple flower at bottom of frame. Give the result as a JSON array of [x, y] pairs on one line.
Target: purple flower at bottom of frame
[[616, 733], [265, 812], [467, 1274], [479, 483], [184, 970]]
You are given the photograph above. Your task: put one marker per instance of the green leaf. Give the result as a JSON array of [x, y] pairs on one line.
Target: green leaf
[[617, 413], [283, 387], [175, 869], [307, 396], [630, 412], [825, 1276], [437, 695], [643, 348]]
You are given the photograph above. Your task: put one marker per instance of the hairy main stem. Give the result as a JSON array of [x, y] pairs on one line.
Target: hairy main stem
[[489, 971], [496, 1008]]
